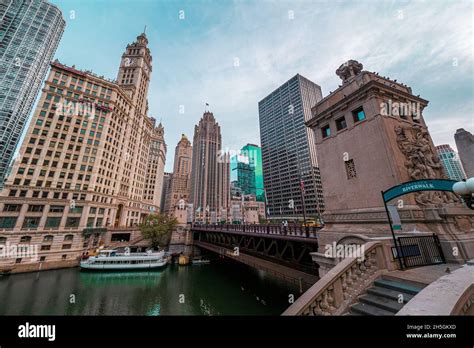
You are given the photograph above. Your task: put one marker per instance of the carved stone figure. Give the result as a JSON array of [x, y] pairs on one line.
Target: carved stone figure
[[421, 162], [349, 69]]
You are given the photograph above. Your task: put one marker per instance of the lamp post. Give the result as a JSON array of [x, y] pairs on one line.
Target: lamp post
[[465, 189]]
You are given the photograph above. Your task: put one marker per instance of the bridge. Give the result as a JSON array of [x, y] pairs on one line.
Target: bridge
[[283, 251]]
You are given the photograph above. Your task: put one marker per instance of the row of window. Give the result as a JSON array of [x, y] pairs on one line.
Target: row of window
[[358, 115], [32, 222], [46, 239]]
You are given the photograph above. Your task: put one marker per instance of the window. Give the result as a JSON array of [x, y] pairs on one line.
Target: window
[[46, 247], [72, 222], [52, 222], [56, 209], [3, 240], [67, 246], [42, 258], [48, 238], [12, 207], [35, 208], [31, 222], [358, 114], [25, 239], [68, 237], [326, 131], [8, 221], [350, 169], [341, 123], [76, 210]]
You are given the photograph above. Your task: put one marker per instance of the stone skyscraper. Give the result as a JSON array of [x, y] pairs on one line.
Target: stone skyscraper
[[156, 168], [210, 176], [92, 160], [290, 167], [181, 178], [29, 35], [465, 144]]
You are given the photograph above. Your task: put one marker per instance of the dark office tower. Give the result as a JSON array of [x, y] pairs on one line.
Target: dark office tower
[[29, 35], [210, 175], [290, 169], [465, 144]]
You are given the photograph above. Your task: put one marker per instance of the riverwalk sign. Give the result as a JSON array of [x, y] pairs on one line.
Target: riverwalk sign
[[416, 186], [403, 189]]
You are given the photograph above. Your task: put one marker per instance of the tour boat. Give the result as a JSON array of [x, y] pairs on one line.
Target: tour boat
[[110, 260]]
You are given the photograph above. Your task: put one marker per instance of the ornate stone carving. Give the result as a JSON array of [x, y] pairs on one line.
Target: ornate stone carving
[[422, 162], [349, 69], [464, 223]]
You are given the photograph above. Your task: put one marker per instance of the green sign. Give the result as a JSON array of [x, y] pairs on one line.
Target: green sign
[[418, 185]]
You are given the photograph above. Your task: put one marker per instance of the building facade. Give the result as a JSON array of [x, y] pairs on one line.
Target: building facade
[[87, 162], [166, 189], [465, 144], [451, 163], [30, 32], [247, 171], [290, 166], [181, 178], [371, 135], [210, 176], [155, 167]]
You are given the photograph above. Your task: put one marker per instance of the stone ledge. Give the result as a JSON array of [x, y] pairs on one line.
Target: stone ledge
[[451, 294]]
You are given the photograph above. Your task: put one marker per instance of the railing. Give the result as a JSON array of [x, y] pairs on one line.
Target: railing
[[280, 230], [340, 287], [419, 251]]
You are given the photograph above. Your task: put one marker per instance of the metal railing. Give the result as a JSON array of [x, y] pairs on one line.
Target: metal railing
[[418, 251], [292, 230]]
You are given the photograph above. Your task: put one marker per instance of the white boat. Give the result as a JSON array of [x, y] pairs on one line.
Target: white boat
[[109, 260]]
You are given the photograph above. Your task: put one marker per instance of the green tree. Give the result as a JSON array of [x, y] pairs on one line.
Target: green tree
[[158, 228]]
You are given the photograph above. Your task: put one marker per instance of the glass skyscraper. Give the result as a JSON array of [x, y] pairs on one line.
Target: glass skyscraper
[[451, 162], [247, 171], [30, 31], [290, 168]]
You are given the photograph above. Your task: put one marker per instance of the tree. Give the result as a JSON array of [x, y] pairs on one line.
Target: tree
[[158, 228]]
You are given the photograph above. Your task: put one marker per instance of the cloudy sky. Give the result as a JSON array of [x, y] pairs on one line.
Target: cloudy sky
[[231, 54]]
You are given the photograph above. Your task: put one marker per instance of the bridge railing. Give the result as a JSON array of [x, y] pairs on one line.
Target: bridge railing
[[339, 288], [290, 230]]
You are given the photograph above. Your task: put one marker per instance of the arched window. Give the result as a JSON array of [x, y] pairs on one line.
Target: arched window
[[48, 238], [25, 239], [68, 237]]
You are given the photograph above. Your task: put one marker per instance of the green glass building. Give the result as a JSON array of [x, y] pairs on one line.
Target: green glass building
[[247, 171]]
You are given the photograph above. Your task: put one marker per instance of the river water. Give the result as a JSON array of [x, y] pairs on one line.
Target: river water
[[220, 288]]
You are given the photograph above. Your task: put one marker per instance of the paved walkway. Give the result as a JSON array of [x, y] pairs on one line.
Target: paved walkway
[[426, 274]]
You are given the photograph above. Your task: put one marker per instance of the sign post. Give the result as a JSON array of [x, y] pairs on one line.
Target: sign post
[[403, 189]]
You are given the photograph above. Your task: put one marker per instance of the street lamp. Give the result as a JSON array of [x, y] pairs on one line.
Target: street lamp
[[465, 189]]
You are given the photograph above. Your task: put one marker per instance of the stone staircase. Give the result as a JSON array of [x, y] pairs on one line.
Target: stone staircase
[[383, 297]]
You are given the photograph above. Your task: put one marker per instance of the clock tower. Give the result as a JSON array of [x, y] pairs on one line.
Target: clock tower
[[134, 72]]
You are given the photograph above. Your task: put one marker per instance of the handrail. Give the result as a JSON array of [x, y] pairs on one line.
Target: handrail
[[337, 289], [274, 229]]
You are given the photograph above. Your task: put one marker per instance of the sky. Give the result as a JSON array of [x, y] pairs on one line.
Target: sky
[[232, 54]]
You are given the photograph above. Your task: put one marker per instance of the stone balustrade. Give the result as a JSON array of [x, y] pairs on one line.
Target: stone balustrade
[[340, 287]]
